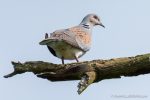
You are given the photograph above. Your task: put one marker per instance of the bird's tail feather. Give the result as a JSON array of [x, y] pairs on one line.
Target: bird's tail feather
[[47, 41]]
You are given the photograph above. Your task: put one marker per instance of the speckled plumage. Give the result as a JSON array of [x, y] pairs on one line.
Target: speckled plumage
[[73, 42]]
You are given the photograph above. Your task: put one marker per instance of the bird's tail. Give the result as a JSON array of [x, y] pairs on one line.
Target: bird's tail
[[47, 41]]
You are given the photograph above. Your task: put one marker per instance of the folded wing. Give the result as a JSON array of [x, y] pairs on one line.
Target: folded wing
[[75, 36]]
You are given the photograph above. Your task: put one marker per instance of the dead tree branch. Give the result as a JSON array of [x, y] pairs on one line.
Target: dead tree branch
[[87, 72]]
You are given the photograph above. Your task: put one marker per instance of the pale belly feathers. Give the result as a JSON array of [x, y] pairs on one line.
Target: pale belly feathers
[[65, 50]]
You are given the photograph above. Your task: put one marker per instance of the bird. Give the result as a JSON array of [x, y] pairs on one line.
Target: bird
[[72, 43]]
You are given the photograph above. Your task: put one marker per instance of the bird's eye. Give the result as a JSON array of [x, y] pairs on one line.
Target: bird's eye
[[95, 17]]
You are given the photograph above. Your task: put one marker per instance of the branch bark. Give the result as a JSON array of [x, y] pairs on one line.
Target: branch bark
[[87, 72]]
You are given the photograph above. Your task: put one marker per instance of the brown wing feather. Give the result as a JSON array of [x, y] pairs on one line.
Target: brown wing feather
[[74, 36]]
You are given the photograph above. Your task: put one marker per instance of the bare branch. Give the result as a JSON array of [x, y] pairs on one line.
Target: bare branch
[[88, 72]]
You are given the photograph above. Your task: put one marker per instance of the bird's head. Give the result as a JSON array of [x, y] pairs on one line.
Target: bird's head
[[92, 19]]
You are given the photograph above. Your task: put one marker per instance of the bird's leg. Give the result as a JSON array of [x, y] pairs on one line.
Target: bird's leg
[[76, 58], [62, 59], [46, 35]]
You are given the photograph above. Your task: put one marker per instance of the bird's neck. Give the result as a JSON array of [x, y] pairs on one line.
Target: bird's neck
[[86, 25]]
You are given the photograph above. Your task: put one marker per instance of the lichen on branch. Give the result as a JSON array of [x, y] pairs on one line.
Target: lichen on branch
[[88, 72]]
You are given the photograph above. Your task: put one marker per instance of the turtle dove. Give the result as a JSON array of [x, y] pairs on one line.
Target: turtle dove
[[74, 42]]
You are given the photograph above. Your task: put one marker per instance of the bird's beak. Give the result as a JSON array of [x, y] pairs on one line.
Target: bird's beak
[[101, 25]]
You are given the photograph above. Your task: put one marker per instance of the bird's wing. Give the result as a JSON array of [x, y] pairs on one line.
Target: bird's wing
[[74, 36], [82, 37]]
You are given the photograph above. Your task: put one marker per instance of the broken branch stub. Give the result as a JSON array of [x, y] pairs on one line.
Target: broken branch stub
[[87, 72]]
